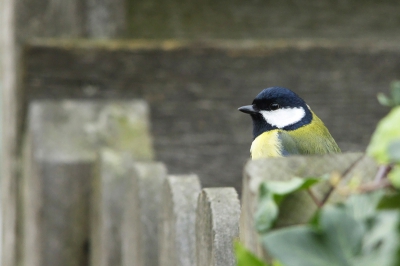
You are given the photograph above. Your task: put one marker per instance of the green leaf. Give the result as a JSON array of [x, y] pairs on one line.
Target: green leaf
[[395, 91], [287, 187], [267, 211], [354, 233], [387, 132], [276, 263], [381, 243], [271, 195], [389, 202], [394, 98], [394, 151], [245, 258], [363, 206], [336, 243], [384, 100], [394, 176]]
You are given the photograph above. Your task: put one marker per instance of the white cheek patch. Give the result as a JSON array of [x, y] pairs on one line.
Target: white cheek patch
[[283, 117]]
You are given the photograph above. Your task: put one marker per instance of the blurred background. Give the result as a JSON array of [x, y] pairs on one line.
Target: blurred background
[[337, 55], [195, 62]]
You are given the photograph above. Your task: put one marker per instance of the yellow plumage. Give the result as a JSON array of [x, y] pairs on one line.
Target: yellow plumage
[[313, 138], [283, 125], [266, 145]]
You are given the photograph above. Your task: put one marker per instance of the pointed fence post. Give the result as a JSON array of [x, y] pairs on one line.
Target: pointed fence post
[[59, 162], [217, 226], [177, 228], [142, 214]]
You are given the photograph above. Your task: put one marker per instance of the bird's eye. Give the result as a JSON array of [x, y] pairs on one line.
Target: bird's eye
[[274, 106]]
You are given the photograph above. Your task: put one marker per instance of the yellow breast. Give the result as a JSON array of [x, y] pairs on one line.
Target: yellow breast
[[313, 138], [266, 145]]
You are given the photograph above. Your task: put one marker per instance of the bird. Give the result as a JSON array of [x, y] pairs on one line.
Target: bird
[[284, 125]]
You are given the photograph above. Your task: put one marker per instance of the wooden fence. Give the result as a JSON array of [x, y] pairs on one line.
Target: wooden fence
[[93, 194], [88, 189]]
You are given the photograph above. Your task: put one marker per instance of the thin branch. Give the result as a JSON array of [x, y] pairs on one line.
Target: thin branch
[[369, 187], [314, 198], [382, 173], [328, 194]]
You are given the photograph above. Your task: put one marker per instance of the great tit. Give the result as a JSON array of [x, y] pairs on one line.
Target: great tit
[[283, 125]]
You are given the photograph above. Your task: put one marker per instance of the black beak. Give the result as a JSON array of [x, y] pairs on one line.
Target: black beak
[[248, 109]]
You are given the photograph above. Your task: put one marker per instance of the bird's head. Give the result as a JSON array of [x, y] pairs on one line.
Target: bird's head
[[277, 108]]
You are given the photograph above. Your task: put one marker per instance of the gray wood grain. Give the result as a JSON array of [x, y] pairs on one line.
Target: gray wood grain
[[177, 227], [143, 213], [217, 226], [59, 168], [9, 55]]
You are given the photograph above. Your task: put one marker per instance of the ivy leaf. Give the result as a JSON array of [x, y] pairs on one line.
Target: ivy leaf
[[394, 151], [335, 243], [363, 206], [394, 176], [245, 258], [395, 91], [271, 195], [354, 233], [386, 133], [267, 210], [394, 98], [381, 245], [389, 202], [280, 189], [384, 100]]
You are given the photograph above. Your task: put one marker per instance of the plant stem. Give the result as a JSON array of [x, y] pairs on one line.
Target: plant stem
[[374, 186], [382, 173], [314, 198], [325, 199]]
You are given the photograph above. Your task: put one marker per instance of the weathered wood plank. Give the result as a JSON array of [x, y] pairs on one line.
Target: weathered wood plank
[[9, 55], [106, 19], [107, 200], [263, 19], [177, 228], [142, 214], [62, 141], [56, 196], [217, 226], [21, 20]]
